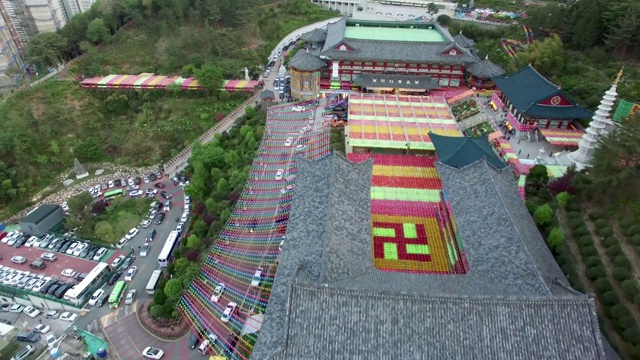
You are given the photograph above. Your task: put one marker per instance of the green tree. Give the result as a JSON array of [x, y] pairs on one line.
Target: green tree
[[546, 56], [88, 150], [211, 205], [45, 49], [555, 238], [432, 9], [103, 231], [193, 241], [444, 20], [209, 76], [561, 199], [97, 31], [173, 289], [78, 203], [616, 163], [624, 28], [543, 215], [223, 186]]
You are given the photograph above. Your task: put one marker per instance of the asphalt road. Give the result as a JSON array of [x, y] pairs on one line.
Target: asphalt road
[[146, 265]]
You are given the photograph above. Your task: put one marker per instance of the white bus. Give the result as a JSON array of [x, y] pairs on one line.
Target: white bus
[[167, 249], [78, 292], [156, 275]]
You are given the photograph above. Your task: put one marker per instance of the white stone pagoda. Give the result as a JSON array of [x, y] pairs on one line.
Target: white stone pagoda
[[599, 126]]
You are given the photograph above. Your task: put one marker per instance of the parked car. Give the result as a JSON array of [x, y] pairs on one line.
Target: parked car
[[48, 256], [160, 218], [144, 250], [31, 311], [24, 353], [99, 254], [68, 316], [217, 292], [117, 261], [52, 314], [257, 277], [18, 260], [152, 353], [122, 243], [133, 232], [16, 308], [145, 224], [130, 273], [41, 328], [127, 262], [96, 295], [159, 185]]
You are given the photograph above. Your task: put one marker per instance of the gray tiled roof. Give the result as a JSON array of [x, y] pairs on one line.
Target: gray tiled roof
[[327, 323], [315, 35], [464, 41], [485, 69], [267, 94], [40, 213], [304, 60], [398, 51], [329, 302], [331, 204], [335, 33]]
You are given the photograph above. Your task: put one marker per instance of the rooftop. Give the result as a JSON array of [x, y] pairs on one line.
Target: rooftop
[[40, 213], [305, 61], [459, 152], [535, 96], [485, 69], [393, 34], [513, 303]]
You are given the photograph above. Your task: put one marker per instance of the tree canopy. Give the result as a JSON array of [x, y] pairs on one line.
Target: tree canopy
[[46, 49]]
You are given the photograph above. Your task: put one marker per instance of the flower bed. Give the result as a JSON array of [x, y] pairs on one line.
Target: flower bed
[[465, 109]]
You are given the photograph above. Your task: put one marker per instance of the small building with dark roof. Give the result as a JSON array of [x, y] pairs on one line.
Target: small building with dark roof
[[42, 220], [482, 72], [459, 152], [328, 301], [533, 102], [305, 69], [464, 41], [315, 36]]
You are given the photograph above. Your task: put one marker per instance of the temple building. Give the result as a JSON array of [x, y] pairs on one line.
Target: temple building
[[533, 102], [390, 56], [481, 73], [305, 69]]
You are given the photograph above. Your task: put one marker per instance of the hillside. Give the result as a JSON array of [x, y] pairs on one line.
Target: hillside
[[46, 127]]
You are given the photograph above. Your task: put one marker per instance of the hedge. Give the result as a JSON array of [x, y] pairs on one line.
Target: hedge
[[626, 323], [585, 241], [597, 214], [620, 274], [602, 285], [619, 311], [628, 222], [581, 231], [573, 206], [605, 231], [609, 298], [600, 223], [629, 288], [588, 251], [635, 239], [633, 230], [596, 273], [575, 215], [622, 261], [576, 223], [592, 261], [614, 251], [632, 335], [611, 241]]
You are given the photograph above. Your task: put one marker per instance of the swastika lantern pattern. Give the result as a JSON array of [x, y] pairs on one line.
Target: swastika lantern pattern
[[412, 226]]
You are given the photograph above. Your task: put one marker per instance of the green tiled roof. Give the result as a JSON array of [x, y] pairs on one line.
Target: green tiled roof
[[459, 152], [624, 109]]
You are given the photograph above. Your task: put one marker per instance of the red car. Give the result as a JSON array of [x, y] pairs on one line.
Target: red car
[[159, 185]]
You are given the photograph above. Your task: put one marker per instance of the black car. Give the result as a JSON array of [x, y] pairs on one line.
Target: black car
[[117, 182], [7, 322], [152, 177], [83, 253], [137, 181], [53, 288], [20, 242], [159, 185], [60, 245], [160, 218], [112, 280], [165, 195], [193, 341], [91, 253], [127, 262], [101, 300], [65, 247]]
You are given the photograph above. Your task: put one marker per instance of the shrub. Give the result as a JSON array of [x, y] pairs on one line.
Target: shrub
[[622, 261], [629, 288], [636, 299], [595, 273], [543, 215], [555, 238], [588, 251], [602, 285], [609, 298], [611, 241], [633, 230], [635, 239], [620, 273], [575, 215], [531, 206], [597, 214], [585, 241], [626, 322], [619, 311], [606, 231], [632, 335], [614, 251], [592, 261], [576, 223], [562, 198], [581, 231], [444, 20], [600, 223], [627, 222]]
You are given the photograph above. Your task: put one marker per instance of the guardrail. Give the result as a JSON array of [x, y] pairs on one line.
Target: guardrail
[[179, 161]]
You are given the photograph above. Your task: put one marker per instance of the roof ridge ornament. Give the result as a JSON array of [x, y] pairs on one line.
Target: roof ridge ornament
[[615, 83]]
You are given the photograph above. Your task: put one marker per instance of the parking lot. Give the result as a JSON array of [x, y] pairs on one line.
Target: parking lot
[[53, 268]]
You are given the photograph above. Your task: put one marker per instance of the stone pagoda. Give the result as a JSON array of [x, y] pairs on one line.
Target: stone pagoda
[[599, 126]]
